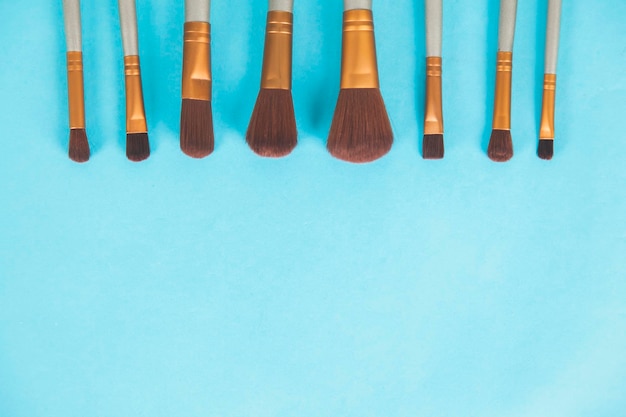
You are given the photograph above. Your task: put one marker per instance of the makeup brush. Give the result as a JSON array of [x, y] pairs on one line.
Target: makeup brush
[[137, 145], [360, 130], [79, 146], [433, 118], [500, 144], [546, 131], [272, 131], [196, 118]]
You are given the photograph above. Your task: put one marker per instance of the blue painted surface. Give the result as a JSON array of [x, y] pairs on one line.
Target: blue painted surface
[[237, 286]]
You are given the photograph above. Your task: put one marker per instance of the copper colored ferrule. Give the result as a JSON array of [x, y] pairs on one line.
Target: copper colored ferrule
[[546, 132], [433, 119], [278, 49], [359, 68], [75, 89], [135, 113], [197, 61], [502, 104]]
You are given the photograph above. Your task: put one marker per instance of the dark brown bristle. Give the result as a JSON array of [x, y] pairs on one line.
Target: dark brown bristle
[[433, 147], [272, 131], [79, 146], [137, 146], [546, 149], [196, 128], [500, 146], [360, 131]]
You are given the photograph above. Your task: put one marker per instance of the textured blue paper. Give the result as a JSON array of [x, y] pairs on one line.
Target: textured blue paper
[[238, 286]]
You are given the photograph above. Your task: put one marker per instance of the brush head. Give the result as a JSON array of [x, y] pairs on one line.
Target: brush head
[[137, 146], [500, 146], [79, 146], [545, 149], [272, 131], [360, 131], [196, 128], [433, 147]]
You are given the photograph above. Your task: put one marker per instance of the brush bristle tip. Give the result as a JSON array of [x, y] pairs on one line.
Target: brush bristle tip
[[272, 132], [196, 128], [545, 149], [79, 146], [433, 147], [500, 146], [137, 147]]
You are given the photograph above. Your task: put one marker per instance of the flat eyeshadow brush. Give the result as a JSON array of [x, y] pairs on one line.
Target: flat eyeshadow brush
[[137, 145], [196, 118], [546, 131], [500, 144], [79, 146], [433, 109]]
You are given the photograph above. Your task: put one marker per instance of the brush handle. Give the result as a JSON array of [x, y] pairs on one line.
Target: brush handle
[[197, 10], [506, 33], [128, 24], [281, 6], [552, 36], [357, 4], [71, 15], [434, 27]]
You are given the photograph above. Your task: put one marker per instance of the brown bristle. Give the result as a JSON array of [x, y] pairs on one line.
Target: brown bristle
[[500, 146], [137, 146], [545, 149], [360, 131], [79, 146], [433, 147], [196, 128], [272, 131]]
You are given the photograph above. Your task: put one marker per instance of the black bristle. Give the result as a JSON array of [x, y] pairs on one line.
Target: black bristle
[[79, 146], [196, 128], [272, 131], [137, 146], [500, 146], [433, 147], [546, 149]]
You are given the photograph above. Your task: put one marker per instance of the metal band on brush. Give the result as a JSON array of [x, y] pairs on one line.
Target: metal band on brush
[[546, 131], [502, 104], [75, 88], [135, 113], [433, 119], [277, 56], [197, 61], [359, 68]]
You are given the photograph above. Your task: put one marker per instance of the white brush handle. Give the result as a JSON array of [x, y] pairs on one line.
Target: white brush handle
[[197, 10], [434, 27], [552, 35], [71, 15], [506, 34], [128, 23], [281, 6], [357, 4]]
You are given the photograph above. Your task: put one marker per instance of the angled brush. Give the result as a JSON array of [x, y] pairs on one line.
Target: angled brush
[[272, 131], [196, 117], [137, 145], [360, 131], [500, 144], [433, 109], [79, 146], [545, 149]]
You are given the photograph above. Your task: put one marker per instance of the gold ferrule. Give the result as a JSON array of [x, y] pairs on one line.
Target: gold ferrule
[[502, 104], [197, 61], [75, 89], [433, 119], [278, 49], [359, 68], [135, 113], [546, 131]]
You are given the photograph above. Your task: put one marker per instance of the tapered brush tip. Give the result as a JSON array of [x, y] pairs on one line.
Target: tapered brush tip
[[545, 149], [500, 146], [272, 131], [360, 131], [79, 146], [196, 128], [433, 147], [137, 146]]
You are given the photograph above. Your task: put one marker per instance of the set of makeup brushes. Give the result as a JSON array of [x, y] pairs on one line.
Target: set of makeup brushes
[[360, 131]]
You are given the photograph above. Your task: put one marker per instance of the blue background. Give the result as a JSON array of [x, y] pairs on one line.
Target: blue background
[[238, 286]]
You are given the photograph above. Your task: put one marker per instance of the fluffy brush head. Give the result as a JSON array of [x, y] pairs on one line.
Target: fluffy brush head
[[272, 131], [545, 149], [79, 146], [433, 147], [196, 128], [500, 146], [137, 146], [360, 131]]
